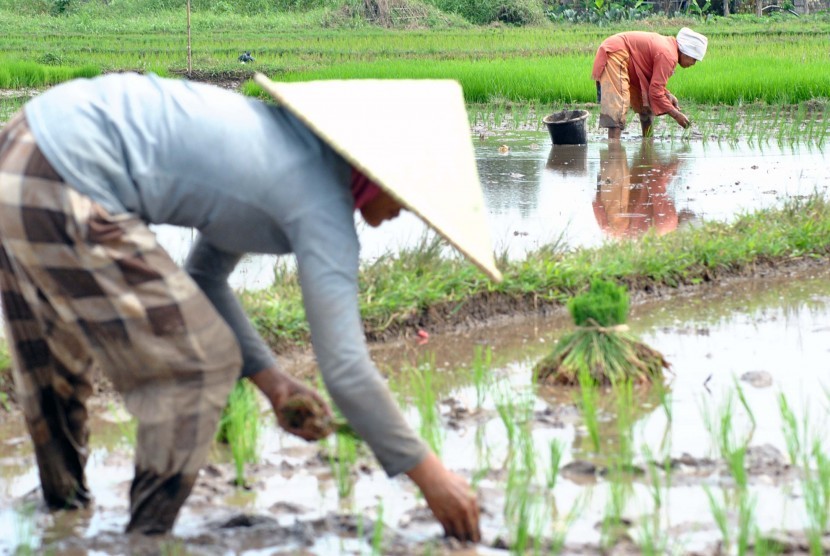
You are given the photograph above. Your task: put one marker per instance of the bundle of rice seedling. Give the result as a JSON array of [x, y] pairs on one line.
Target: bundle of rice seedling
[[601, 347]]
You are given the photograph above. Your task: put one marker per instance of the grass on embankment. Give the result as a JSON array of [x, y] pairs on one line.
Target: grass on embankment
[[419, 287]]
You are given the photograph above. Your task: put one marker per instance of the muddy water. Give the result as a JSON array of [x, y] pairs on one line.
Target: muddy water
[[537, 194], [774, 334]]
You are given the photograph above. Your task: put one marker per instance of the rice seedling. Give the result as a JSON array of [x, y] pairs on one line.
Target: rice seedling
[[239, 427], [556, 451], [482, 455], [430, 427], [342, 462], [588, 396], [793, 435], [651, 539], [619, 493], [816, 487], [172, 547], [562, 526], [127, 425], [377, 532], [507, 411], [601, 346], [481, 367], [24, 518], [720, 513], [746, 521]]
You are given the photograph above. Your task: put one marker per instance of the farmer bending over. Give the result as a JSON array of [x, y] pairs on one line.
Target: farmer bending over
[[633, 68], [87, 165]]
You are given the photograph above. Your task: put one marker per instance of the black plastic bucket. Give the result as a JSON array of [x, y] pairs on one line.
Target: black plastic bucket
[[567, 127]]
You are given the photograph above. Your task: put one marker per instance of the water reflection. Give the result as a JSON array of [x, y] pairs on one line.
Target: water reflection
[[633, 197], [568, 160], [537, 195]]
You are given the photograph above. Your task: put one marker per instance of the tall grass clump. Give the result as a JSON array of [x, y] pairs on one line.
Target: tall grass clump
[[601, 347]]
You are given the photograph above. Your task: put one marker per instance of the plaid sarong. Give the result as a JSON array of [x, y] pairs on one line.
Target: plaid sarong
[[81, 287]]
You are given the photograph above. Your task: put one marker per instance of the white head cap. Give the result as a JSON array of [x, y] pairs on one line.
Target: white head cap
[[691, 43]]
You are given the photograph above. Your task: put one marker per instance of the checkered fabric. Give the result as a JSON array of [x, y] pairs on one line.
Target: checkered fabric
[[81, 287]]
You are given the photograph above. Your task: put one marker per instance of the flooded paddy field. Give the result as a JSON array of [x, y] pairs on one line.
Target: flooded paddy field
[[731, 449], [729, 455], [580, 196]]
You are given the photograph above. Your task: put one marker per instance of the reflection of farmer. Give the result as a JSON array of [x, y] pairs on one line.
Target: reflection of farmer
[[87, 165], [633, 69], [632, 199]]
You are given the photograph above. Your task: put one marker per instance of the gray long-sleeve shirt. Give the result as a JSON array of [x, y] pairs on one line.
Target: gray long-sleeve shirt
[[252, 179]]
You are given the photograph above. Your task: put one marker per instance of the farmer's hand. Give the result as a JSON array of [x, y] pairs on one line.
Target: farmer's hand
[[673, 100], [449, 496], [680, 118], [300, 410]]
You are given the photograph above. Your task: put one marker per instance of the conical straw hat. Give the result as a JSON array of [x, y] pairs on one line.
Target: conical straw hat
[[412, 138]]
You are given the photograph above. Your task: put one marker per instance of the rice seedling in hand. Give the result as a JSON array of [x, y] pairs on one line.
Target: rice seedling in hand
[[301, 411], [601, 346]]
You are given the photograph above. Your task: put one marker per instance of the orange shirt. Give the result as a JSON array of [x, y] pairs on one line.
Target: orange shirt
[[652, 59]]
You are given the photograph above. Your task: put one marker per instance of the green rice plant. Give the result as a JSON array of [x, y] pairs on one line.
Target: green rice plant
[[651, 540], [519, 515], [816, 487], [482, 455], [744, 403], [764, 546], [431, 427], [377, 532], [24, 519], [127, 426], [588, 396], [561, 527], [239, 426], [601, 346], [172, 547], [664, 396], [793, 435], [518, 505], [481, 368], [619, 493], [731, 447], [342, 461], [720, 513], [623, 394], [621, 462], [604, 304], [506, 409], [557, 449], [746, 523]]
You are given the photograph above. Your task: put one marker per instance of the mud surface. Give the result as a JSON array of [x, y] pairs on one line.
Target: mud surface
[[767, 336]]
